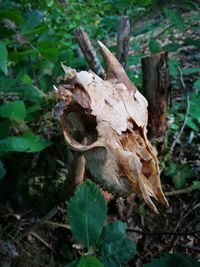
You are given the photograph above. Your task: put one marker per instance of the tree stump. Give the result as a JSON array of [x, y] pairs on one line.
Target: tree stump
[[156, 84], [123, 35]]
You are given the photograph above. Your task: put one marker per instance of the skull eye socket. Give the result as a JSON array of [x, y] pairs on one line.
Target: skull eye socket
[[81, 125]]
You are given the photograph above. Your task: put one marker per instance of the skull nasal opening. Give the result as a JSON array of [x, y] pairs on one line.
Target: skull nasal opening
[[81, 125]]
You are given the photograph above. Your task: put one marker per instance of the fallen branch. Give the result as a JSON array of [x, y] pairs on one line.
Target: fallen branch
[[56, 224], [42, 241], [187, 190], [89, 51]]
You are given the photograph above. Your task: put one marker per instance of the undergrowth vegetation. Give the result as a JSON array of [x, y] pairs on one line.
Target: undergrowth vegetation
[[36, 166]]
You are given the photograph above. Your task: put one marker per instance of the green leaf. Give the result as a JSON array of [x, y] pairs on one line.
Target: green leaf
[[4, 129], [194, 106], [154, 46], [117, 253], [197, 84], [26, 79], [28, 142], [192, 124], [13, 110], [183, 173], [3, 58], [175, 17], [173, 64], [195, 42], [170, 260], [89, 261], [15, 56], [2, 170], [29, 91], [86, 213], [12, 14], [48, 49], [34, 18], [190, 70], [112, 232], [173, 47]]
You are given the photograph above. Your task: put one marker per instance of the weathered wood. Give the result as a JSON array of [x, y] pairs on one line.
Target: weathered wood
[[123, 35], [89, 51], [156, 84]]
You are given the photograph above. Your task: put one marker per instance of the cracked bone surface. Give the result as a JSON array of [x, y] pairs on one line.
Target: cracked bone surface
[[112, 115]]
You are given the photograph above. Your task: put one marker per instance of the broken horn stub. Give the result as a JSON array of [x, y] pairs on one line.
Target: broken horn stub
[[114, 68]]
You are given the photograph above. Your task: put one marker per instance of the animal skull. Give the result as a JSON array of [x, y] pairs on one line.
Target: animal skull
[[118, 153]]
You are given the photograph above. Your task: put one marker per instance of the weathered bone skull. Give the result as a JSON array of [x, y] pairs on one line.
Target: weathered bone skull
[[118, 153]]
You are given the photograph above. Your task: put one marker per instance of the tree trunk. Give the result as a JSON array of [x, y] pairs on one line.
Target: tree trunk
[[89, 51], [156, 84], [123, 35]]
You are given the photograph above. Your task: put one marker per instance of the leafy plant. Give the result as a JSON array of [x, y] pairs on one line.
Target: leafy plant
[[180, 174], [106, 244], [170, 260], [3, 58], [2, 170]]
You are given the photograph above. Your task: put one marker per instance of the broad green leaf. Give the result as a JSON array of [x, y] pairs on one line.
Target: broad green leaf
[[12, 14], [2, 170], [4, 129], [48, 49], [86, 213], [171, 169], [154, 46], [15, 110], [175, 17], [192, 124], [179, 174], [171, 47], [3, 58], [29, 91], [173, 64], [28, 142], [15, 56], [40, 29], [195, 42], [112, 232], [194, 111], [89, 261], [197, 84], [171, 260], [26, 79], [118, 253], [174, 126], [183, 173], [190, 70], [34, 18]]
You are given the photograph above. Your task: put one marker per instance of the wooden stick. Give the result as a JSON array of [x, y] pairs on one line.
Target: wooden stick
[[42, 241], [123, 36], [89, 51]]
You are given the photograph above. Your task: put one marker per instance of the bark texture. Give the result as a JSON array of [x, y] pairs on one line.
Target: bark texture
[[123, 35], [89, 51], [156, 85]]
